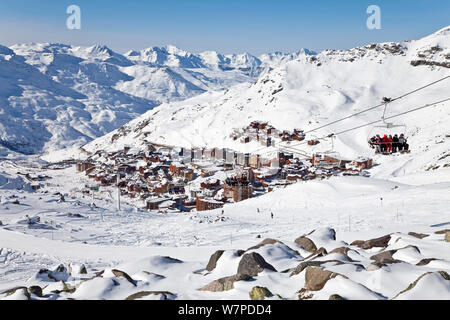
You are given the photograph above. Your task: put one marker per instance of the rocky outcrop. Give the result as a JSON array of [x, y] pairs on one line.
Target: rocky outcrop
[[381, 242], [387, 257], [259, 293], [335, 297], [443, 274], [74, 269], [263, 243], [316, 278], [213, 260], [312, 263], [119, 273], [166, 295], [344, 251], [12, 291], [36, 290], [226, 283], [419, 62], [424, 262], [65, 288], [306, 244], [253, 263], [418, 235], [59, 274]]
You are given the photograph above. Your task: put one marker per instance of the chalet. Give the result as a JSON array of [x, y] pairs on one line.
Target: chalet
[[255, 161], [363, 163], [209, 171], [265, 162], [275, 163], [203, 204], [168, 204], [320, 159], [313, 142], [242, 193], [219, 154], [212, 184], [298, 135], [188, 174], [230, 156], [198, 154], [154, 202], [184, 152], [89, 170], [265, 142], [83, 166], [209, 154], [243, 159], [176, 168], [161, 188], [189, 202]]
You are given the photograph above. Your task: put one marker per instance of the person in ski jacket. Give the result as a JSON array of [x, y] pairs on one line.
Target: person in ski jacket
[[387, 143], [395, 143], [390, 142], [403, 142], [378, 143]]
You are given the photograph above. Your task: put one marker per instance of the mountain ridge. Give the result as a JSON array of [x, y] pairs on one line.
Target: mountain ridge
[[55, 95]]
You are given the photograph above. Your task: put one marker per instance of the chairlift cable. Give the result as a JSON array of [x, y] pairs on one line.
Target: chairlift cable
[[379, 105], [394, 116], [366, 110], [376, 121]]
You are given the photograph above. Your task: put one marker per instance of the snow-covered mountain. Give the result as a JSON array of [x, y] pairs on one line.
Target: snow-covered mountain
[[312, 90], [57, 95]]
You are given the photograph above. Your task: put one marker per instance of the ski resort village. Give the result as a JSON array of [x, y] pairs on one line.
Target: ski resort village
[[163, 174], [165, 178]]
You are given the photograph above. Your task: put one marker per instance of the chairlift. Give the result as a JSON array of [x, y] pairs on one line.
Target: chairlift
[[329, 156], [388, 129], [314, 140]]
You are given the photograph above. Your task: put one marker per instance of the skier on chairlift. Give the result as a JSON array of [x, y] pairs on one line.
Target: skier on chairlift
[[394, 143], [403, 145]]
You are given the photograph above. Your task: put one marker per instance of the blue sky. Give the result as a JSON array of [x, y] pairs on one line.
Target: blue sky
[[227, 26]]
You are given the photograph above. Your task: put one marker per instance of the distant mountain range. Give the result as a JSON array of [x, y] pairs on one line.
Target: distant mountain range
[[57, 95]]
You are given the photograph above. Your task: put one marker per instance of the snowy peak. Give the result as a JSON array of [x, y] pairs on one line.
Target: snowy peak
[[444, 31], [171, 56], [5, 51]]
